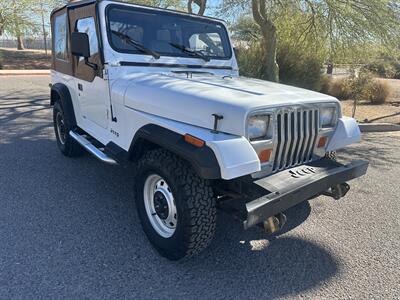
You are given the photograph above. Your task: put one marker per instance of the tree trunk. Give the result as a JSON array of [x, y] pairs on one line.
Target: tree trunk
[[200, 3], [270, 45], [20, 43], [268, 29], [43, 28], [2, 24]]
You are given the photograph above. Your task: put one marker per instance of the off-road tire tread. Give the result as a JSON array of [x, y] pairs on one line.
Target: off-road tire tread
[[71, 147], [199, 196]]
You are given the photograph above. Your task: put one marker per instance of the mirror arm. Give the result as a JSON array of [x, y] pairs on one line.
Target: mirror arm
[[92, 65]]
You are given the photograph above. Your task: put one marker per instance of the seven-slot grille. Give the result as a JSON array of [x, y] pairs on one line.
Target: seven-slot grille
[[297, 132]]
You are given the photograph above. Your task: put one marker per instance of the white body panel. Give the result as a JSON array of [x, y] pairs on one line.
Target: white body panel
[[156, 95], [347, 132], [94, 100], [176, 97]]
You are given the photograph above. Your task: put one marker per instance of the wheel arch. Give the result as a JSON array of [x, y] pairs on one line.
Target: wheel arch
[[152, 136], [60, 92]]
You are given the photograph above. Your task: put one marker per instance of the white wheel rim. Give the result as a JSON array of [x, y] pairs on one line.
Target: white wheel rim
[[160, 205]]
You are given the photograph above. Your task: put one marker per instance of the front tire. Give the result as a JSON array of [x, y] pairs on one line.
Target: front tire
[[176, 207], [62, 126]]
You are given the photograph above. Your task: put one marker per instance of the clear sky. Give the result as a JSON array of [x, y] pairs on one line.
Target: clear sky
[[212, 6]]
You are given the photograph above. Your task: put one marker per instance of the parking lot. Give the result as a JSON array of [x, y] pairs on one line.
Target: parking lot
[[69, 228]]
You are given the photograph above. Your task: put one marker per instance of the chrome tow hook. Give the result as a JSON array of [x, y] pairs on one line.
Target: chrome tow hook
[[275, 223], [338, 191]]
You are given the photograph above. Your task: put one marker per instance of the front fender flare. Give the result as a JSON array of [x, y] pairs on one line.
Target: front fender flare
[[60, 92], [202, 159], [347, 132]]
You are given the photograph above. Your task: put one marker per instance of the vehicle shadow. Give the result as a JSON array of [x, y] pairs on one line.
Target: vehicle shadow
[[270, 266], [295, 216], [379, 154]]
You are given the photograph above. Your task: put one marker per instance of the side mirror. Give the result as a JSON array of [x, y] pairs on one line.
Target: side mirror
[[80, 44], [80, 47]]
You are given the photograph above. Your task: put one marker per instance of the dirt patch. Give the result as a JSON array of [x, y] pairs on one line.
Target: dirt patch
[[13, 59], [367, 113], [384, 113]]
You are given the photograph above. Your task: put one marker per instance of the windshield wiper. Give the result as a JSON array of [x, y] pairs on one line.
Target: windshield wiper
[[128, 39], [190, 51]]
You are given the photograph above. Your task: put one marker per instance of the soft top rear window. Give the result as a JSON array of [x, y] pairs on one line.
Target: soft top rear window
[[166, 33]]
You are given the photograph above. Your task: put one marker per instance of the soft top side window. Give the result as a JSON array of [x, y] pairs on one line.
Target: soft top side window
[[60, 37]]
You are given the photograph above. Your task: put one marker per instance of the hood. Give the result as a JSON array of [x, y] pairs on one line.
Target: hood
[[193, 100]]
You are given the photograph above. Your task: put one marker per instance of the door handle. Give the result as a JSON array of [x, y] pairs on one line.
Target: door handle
[[80, 87]]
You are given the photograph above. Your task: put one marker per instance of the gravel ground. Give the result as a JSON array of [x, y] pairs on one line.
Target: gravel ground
[[69, 228]]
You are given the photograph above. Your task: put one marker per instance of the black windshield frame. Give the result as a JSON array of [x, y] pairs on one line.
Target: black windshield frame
[[224, 38]]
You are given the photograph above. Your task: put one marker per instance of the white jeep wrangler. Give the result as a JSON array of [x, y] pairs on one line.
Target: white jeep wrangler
[[160, 90]]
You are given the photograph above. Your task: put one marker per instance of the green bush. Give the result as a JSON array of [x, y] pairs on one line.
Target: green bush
[[295, 68], [249, 60], [300, 69], [388, 68]]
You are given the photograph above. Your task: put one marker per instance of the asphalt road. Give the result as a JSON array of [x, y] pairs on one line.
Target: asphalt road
[[69, 228]]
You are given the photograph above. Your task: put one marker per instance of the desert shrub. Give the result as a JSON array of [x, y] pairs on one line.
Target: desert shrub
[[364, 87], [396, 67], [326, 82], [341, 88], [378, 92]]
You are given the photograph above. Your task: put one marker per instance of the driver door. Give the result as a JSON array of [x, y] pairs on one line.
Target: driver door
[[93, 93]]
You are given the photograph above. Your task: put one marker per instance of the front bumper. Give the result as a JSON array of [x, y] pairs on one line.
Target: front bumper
[[271, 195]]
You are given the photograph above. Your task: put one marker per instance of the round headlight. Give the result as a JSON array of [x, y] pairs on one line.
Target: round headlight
[[328, 117], [258, 127]]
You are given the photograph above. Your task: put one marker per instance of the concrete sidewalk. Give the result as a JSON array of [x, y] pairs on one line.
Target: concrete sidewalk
[[378, 127], [24, 72]]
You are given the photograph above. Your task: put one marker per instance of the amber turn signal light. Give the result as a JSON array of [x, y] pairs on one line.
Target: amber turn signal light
[[193, 140], [265, 155], [322, 142]]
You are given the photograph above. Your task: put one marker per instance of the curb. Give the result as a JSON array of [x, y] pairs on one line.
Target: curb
[[23, 72], [378, 127]]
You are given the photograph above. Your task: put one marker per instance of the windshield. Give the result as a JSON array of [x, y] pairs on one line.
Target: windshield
[[166, 33]]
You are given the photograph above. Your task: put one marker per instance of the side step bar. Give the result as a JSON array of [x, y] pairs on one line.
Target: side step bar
[[92, 149]]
